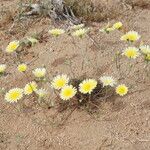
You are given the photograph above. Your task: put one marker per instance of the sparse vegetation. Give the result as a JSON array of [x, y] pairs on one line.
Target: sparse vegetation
[[57, 69], [66, 88]]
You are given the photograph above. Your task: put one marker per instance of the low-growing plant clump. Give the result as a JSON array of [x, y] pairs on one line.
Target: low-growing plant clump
[[74, 91]]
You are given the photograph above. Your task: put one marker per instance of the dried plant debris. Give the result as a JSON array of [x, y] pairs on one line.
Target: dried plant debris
[[55, 9]]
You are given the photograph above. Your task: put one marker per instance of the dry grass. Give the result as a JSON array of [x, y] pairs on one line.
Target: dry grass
[[139, 3], [96, 10], [99, 10], [6, 15], [92, 10]]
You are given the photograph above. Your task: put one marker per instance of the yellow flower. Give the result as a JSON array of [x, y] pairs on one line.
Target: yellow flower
[[147, 57], [67, 92], [60, 81], [41, 93], [131, 52], [145, 49], [108, 81], [14, 95], [117, 25], [122, 89], [56, 32], [131, 36], [39, 72], [2, 68], [32, 40], [87, 86], [30, 88], [77, 27], [22, 67], [80, 33], [12, 46], [108, 30]]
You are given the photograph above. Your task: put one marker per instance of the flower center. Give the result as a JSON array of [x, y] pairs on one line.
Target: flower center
[[13, 46], [61, 83], [15, 95], [68, 92], [87, 87]]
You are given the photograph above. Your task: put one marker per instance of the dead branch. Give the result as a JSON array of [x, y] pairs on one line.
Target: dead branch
[[55, 9]]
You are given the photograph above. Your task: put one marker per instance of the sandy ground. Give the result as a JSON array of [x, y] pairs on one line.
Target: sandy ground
[[120, 124]]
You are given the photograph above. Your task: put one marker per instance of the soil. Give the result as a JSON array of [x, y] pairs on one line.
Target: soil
[[121, 123]]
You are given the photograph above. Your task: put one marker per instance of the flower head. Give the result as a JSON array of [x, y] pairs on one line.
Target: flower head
[[39, 72], [32, 40], [117, 25], [107, 29], [87, 86], [77, 27], [145, 49], [12, 46], [2, 68], [60, 81], [108, 81], [131, 36], [131, 52], [122, 89], [41, 93], [22, 67], [56, 32], [80, 32], [67, 92], [147, 57], [14, 95], [30, 88]]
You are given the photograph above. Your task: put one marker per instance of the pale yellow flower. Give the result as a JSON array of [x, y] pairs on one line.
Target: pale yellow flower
[[131, 36], [145, 49], [80, 33], [108, 81], [14, 95], [41, 93], [118, 25], [131, 52], [60, 81], [56, 32], [122, 89], [39, 72], [30, 88], [2, 68], [87, 86], [109, 29], [77, 27], [22, 67], [67, 92], [32, 40], [12, 46], [147, 57]]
